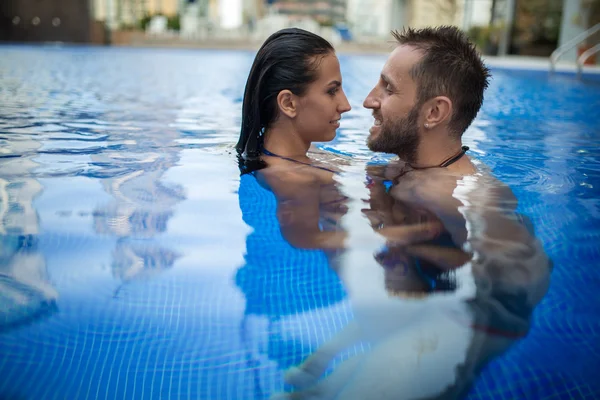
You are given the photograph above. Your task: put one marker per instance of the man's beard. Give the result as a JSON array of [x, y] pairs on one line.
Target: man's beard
[[400, 137]]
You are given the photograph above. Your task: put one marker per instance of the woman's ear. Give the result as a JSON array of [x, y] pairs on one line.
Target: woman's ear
[[287, 103]]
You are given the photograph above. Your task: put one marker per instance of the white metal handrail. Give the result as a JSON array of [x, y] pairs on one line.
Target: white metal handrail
[[584, 56], [570, 44]]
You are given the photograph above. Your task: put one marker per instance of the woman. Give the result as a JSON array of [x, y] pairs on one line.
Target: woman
[[294, 97], [287, 195]]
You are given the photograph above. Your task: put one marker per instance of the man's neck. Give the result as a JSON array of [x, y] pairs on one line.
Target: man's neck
[[434, 149]]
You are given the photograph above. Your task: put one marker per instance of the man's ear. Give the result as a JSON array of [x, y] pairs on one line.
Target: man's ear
[[287, 103], [437, 111]]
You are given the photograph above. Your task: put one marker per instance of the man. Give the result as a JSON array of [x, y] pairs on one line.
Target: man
[[466, 295], [429, 91]]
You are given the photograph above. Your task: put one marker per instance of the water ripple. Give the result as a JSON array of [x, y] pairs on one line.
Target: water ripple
[[117, 175]]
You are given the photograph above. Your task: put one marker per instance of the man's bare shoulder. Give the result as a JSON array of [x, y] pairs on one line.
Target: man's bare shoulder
[[424, 185], [436, 185]]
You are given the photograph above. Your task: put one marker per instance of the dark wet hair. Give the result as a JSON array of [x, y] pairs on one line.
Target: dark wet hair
[[451, 66], [288, 59]]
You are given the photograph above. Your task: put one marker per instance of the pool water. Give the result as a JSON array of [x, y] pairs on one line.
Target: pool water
[[122, 209]]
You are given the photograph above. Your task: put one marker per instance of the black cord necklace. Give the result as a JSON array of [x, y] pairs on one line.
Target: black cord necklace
[[444, 164], [448, 161], [269, 153]]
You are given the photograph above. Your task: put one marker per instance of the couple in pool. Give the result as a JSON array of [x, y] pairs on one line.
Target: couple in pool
[[429, 92], [456, 272]]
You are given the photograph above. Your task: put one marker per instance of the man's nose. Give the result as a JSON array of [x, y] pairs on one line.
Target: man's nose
[[371, 101]]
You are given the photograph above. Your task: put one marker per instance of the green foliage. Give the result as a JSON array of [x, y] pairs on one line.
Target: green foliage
[[143, 23], [173, 23], [485, 37], [325, 22], [539, 20], [479, 36]]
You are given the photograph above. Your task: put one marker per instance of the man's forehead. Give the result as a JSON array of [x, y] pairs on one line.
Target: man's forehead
[[401, 61]]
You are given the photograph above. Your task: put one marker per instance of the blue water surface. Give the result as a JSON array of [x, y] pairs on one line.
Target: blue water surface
[[148, 271]]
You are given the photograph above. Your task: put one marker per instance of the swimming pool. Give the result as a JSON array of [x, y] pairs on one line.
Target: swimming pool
[[121, 197]]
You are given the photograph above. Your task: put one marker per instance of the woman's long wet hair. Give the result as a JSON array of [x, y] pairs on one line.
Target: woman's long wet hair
[[288, 59]]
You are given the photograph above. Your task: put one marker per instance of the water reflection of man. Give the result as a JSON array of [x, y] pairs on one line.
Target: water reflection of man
[[444, 308]]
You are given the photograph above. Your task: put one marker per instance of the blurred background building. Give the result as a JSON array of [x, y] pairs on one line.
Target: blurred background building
[[52, 20], [499, 27], [324, 12]]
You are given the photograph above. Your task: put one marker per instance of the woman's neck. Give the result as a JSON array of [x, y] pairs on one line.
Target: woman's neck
[[284, 141]]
